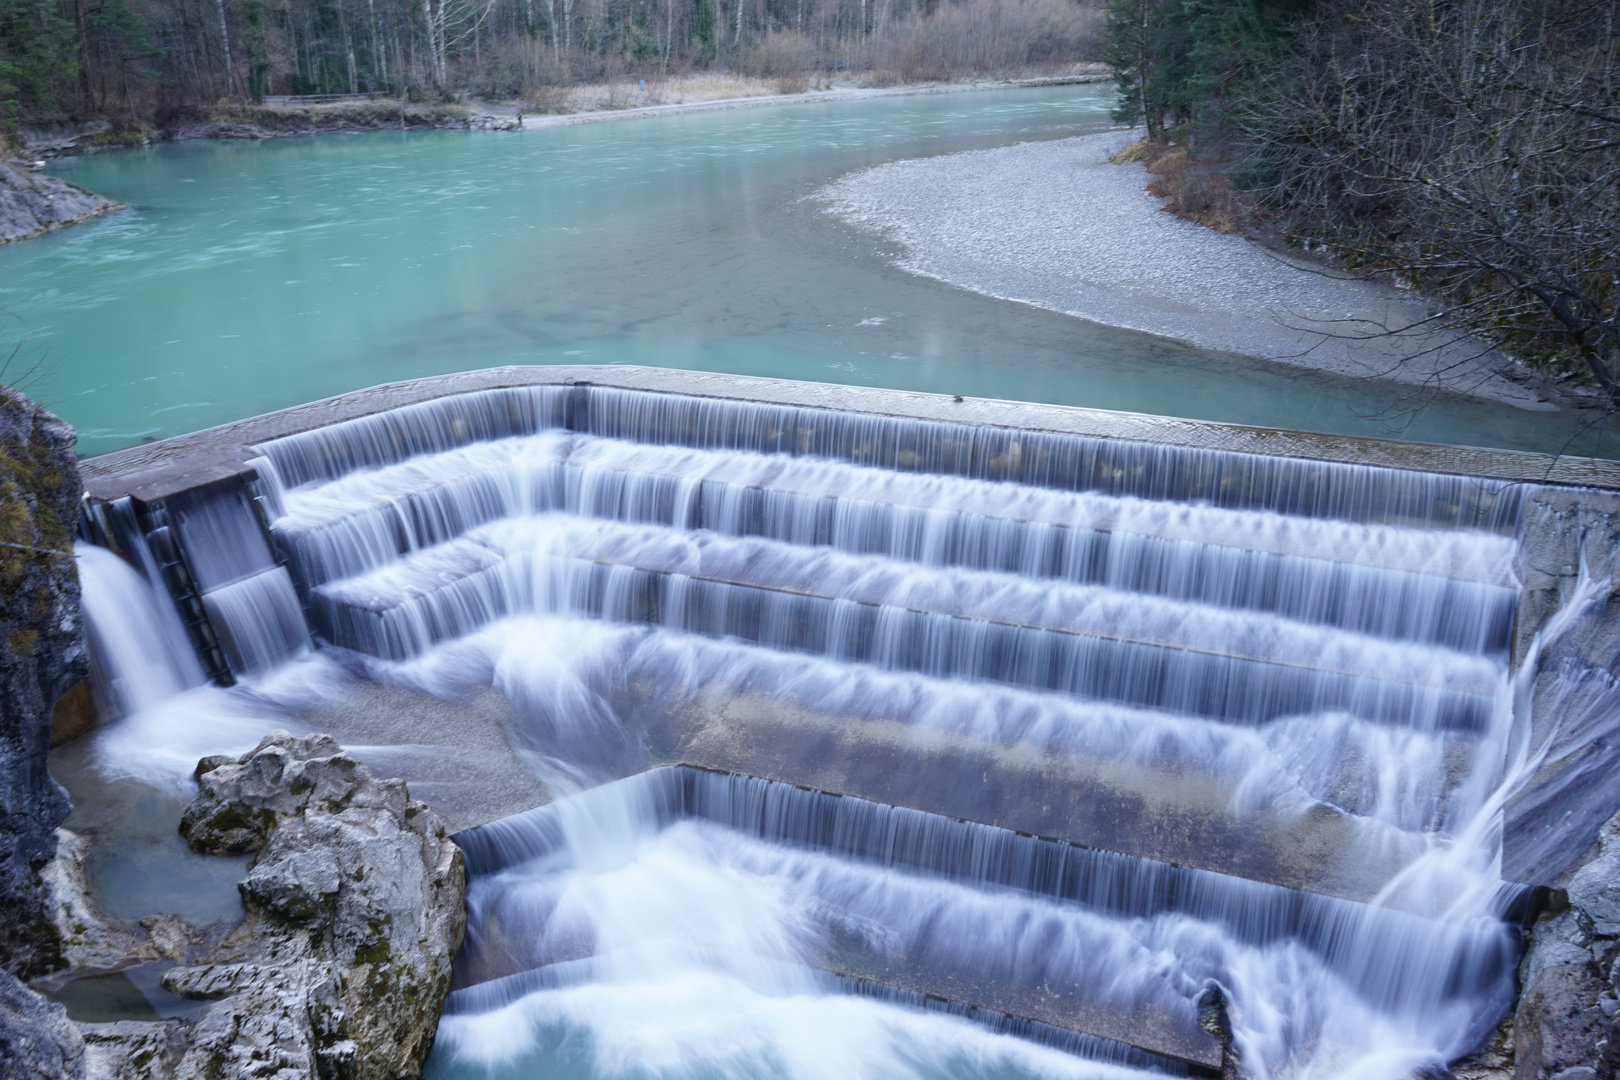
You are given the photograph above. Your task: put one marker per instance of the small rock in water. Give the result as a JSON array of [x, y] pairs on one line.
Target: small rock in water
[[355, 911]]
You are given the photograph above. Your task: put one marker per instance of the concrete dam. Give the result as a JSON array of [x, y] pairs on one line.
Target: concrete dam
[[1144, 744]]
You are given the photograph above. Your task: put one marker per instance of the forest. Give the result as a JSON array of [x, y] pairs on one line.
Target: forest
[[134, 61]]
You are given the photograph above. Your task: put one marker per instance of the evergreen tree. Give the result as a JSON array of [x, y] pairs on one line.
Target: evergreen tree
[[37, 57]]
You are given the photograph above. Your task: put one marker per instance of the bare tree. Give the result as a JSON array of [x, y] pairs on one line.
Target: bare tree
[[1469, 147]]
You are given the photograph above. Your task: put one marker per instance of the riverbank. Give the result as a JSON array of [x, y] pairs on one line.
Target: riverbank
[[32, 204], [579, 104], [1056, 225], [262, 122], [829, 91]]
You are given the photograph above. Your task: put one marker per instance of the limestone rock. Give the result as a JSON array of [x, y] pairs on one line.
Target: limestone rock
[[42, 653], [36, 1039], [31, 204], [88, 942], [277, 1019], [132, 1049], [355, 912], [1567, 1024], [239, 802]]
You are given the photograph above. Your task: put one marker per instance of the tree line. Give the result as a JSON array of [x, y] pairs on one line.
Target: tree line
[[1470, 148], [131, 60]]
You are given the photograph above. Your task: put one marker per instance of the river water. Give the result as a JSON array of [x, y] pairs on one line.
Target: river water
[[255, 276]]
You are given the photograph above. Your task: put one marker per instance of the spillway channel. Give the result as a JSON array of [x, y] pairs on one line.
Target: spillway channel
[[1056, 752]]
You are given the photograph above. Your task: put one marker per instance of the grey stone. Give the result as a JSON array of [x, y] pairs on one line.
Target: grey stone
[[37, 1041], [276, 1019], [239, 803], [42, 653], [89, 943], [132, 1049], [31, 204], [1566, 1018], [1552, 822], [355, 910], [1558, 1024]]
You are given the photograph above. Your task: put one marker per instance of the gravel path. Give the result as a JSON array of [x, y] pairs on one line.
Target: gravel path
[[1055, 225]]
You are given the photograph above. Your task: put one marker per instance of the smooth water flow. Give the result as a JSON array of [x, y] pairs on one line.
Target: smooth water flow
[[139, 654], [901, 748], [256, 275]]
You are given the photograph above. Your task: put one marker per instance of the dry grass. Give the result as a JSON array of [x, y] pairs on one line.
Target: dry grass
[[1137, 151], [722, 86], [1193, 184], [676, 90]]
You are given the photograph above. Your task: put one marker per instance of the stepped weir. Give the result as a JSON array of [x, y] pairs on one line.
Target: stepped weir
[[1158, 745]]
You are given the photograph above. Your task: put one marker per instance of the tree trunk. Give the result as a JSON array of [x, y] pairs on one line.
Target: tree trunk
[[348, 48], [225, 45], [379, 59], [437, 63]]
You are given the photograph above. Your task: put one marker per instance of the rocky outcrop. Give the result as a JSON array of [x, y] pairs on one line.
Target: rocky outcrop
[[42, 653], [31, 203], [355, 910], [36, 1039], [1569, 566], [1568, 1021]]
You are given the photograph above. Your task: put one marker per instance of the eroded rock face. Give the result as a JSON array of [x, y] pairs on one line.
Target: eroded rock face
[[355, 911], [31, 204], [1568, 1021], [42, 653], [36, 1038]]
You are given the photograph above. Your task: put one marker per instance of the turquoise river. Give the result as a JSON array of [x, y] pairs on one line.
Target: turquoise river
[[250, 276]]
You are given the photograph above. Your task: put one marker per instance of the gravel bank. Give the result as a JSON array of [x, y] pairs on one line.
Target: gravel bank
[[1055, 225]]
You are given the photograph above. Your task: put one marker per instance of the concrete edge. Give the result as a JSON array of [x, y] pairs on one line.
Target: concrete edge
[[121, 472]]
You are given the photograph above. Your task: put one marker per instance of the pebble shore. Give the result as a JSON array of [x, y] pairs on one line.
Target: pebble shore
[[1056, 225]]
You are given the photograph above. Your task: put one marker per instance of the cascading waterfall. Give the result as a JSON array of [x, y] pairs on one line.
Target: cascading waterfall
[[1307, 652], [139, 653], [1054, 927]]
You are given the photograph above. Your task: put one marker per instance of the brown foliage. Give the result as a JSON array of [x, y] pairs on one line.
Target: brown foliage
[[1194, 185]]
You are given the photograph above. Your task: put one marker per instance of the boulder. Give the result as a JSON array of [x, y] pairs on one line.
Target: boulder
[[132, 1049], [1567, 1024], [241, 801], [355, 911]]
